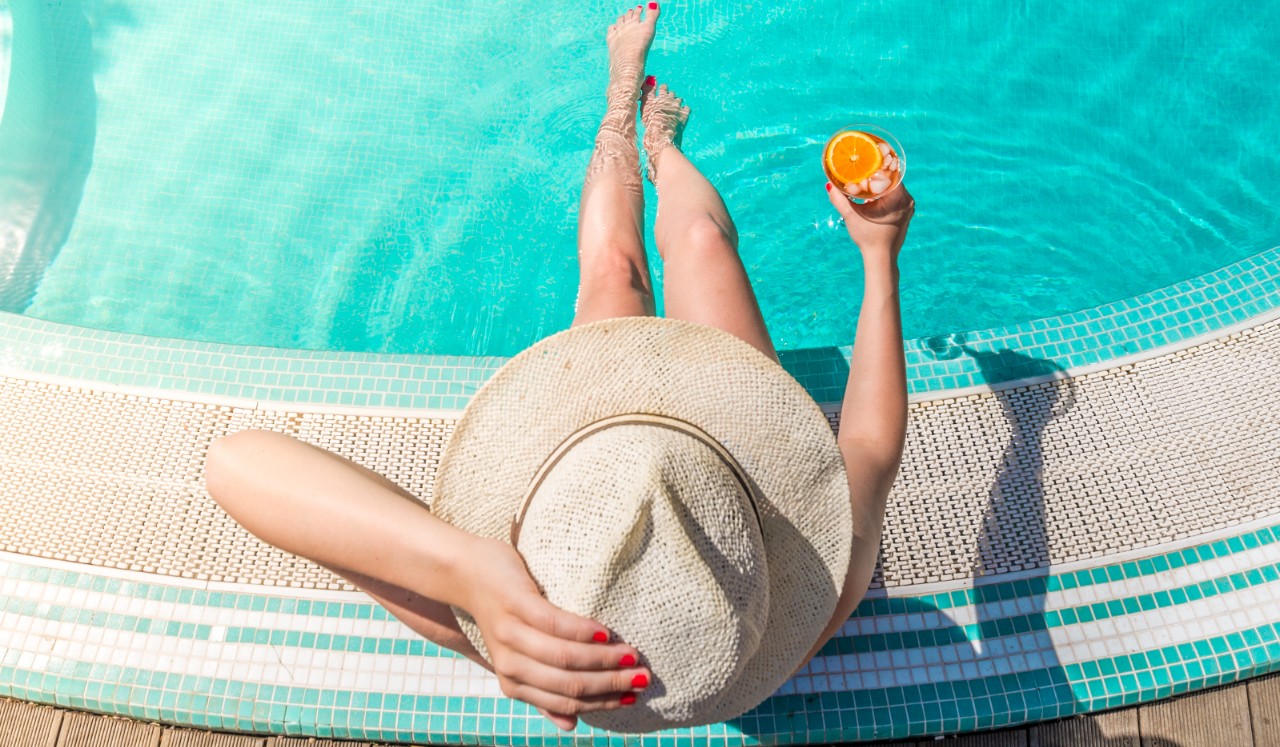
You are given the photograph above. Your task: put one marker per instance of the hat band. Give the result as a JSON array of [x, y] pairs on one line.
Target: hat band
[[662, 421]]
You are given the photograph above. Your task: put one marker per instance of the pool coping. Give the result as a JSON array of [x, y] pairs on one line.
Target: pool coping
[[1234, 297], [872, 681]]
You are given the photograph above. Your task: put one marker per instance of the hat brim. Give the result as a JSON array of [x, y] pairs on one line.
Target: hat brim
[[704, 376]]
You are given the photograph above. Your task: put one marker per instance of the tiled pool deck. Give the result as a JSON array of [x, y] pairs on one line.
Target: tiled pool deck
[[1088, 516]]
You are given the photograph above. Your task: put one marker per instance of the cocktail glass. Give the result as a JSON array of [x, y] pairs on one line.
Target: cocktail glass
[[843, 152]]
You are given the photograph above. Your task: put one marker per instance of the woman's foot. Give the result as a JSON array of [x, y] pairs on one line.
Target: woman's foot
[[663, 115], [629, 38]]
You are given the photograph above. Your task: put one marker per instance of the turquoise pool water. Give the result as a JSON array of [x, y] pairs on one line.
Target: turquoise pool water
[[403, 177]]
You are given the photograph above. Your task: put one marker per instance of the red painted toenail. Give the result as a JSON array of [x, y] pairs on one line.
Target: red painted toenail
[[650, 80], [640, 680], [600, 636], [628, 699], [653, 6], [628, 661]]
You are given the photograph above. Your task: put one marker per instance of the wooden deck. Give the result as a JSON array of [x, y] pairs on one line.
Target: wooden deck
[[1245, 714]]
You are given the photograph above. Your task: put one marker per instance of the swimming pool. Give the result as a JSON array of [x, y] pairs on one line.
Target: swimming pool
[[402, 177]]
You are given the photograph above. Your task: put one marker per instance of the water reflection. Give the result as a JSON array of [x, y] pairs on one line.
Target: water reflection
[[46, 140]]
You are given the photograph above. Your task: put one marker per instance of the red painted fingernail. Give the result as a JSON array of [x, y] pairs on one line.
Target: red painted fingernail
[[600, 637], [640, 680], [628, 661], [653, 6], [650, 80], [628, 699], [828, 186]]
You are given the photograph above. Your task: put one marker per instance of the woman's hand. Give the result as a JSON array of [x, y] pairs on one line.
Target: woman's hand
[[554, 660], [878, 227]]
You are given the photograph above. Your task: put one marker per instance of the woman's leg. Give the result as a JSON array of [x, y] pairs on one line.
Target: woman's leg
[[705, 281], [614, 277]]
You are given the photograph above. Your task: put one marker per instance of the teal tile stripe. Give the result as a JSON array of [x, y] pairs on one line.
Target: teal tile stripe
[[1042, 620], [1085, 577], [980, 702], [883, 606], [881, 713], [862, 643], [1225, 297]]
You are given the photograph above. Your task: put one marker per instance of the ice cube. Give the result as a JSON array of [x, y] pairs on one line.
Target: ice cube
[[885, 150], [879, 184]]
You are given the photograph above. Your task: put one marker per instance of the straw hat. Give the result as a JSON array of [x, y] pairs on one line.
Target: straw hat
[[672, 483]]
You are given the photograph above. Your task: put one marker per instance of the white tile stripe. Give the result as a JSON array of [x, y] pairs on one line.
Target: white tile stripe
[[35, 643], [219, 618], [87, 599], [1063, 598], [1069, 644], [47, 646]]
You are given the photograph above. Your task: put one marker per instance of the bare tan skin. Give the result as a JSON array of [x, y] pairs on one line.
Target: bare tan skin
[[373, 533]]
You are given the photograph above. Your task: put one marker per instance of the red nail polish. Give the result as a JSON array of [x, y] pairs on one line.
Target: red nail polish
[[628, 661], [649, 81], [600, 637], [628, 699], [653, 6], [828, 186], [640, 680]]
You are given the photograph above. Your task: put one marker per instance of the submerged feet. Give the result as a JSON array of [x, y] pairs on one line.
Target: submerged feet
[[662, 112], [664, 116], [628, 38]]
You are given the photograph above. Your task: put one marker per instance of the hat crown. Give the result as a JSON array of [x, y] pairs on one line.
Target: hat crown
[[649, 532], [732, 393]]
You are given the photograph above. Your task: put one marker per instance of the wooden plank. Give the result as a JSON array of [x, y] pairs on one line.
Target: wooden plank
[[1264, 708], [92, 730], [1212, 718], [176, 737], [25, 724], [1108, 729], [1004, 738]]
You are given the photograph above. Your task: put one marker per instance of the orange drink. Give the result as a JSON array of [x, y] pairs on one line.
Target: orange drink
[[864, 161]]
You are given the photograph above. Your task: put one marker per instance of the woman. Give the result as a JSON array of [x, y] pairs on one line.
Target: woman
[[366, 529]]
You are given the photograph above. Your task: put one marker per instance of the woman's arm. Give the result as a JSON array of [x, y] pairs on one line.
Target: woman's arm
[[873, 418], [312, 503]]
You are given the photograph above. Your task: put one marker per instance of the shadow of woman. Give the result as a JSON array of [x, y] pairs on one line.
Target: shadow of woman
[[1012, 630]]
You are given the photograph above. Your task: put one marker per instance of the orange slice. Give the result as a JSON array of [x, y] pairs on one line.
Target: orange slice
[[852, 157]]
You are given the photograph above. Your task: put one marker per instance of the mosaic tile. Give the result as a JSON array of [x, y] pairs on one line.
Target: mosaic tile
[[1007, 674], [1082, 467], [994, 602], [961, 360]]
